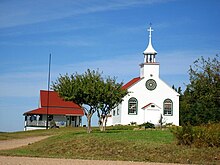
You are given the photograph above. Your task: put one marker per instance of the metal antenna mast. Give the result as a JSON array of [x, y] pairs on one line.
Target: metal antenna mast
[[48, 90]]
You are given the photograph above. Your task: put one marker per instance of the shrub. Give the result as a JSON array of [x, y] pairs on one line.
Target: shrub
[[199, 136], [121, 127], [208, 135], [134, 123], [184, 135], [147, 125]]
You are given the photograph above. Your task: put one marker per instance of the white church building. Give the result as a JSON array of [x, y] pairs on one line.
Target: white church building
[[149, 97]]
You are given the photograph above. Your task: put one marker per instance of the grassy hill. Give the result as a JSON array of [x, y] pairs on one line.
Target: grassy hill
[[114, 144]]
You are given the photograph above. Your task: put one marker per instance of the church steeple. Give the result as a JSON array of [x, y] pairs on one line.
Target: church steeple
[[149, 68], [150, 52]]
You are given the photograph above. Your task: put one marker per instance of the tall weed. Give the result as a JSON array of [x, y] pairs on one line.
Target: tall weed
[[199, 136]]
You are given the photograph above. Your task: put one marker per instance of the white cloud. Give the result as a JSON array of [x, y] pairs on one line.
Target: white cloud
[[121, 67], [57, 42], [28, 83], [22, 83], [14, 13], [178, 62]]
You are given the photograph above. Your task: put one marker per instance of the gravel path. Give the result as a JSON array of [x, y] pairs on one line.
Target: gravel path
[[8, 160], [47, 161]]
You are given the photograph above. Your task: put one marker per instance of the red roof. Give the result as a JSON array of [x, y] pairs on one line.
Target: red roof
[[130, 83], [56, 105], [146, 106], [150, 105], [55, 100], [56, 111]]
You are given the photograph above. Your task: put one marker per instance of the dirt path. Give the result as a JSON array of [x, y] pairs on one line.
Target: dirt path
[[9, 144], [47, 161], [8, 160]]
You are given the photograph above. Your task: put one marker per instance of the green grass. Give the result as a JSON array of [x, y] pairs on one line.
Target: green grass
[[24, 134], [20, 135], [127, 145]]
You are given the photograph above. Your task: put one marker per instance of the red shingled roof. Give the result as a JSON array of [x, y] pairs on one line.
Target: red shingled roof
[[146, 106], [57, 111], [130, 83], [56, 106], [55, 100]]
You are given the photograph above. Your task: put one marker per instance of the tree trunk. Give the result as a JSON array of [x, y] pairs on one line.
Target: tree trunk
[[89, 129], [105, 122], [100, 120], [101, 123]]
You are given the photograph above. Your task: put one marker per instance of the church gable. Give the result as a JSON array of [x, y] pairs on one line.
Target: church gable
[[151, 90]]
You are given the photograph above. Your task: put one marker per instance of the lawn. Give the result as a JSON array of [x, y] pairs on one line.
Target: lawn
[[114, 144], [33, 133]]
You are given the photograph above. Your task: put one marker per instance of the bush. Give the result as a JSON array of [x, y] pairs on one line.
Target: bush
[[199, 136], [208, 135], [147, 125], [121, 127], [133, 123], [184, 135]]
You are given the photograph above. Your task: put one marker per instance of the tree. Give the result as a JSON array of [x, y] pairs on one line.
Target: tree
[[92, 92], [200, 103], [112, 95], [82, 89]]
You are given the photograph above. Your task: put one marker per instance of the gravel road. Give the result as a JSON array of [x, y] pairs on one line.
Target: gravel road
[[4, 160]]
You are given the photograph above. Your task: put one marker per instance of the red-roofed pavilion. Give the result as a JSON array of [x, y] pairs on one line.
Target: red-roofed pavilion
[[63, 113]]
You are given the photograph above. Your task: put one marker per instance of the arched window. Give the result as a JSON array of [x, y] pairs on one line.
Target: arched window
[[132, 106], [168, 107]]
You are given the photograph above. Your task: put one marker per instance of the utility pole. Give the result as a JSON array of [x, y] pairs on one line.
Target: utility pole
[[48, 90]]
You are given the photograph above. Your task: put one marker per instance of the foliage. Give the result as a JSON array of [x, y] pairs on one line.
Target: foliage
[[91, 91], [147, 125], [111, 95], [184, 135], [121, 127], [200, 103], [199, 136], [178, 90], [82, 89]]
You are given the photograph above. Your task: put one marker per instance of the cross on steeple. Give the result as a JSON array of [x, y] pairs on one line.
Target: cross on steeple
[[150, 52], [150, 30]]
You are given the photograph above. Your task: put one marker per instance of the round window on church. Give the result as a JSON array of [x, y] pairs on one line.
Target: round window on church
[[151, 84]]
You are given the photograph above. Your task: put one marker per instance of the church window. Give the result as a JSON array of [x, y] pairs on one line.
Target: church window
[[151, 84], [113, 112], [132, 106], [168, 107], [117, 110]]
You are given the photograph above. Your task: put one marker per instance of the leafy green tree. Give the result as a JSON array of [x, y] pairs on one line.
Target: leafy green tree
[[200, 103], [112, 95], [92, 92], [82, 89]]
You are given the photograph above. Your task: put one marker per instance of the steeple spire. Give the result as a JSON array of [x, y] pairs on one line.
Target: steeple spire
[[150, 52]]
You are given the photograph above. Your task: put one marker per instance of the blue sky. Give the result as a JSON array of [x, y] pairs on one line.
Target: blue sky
[[109, 34]]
